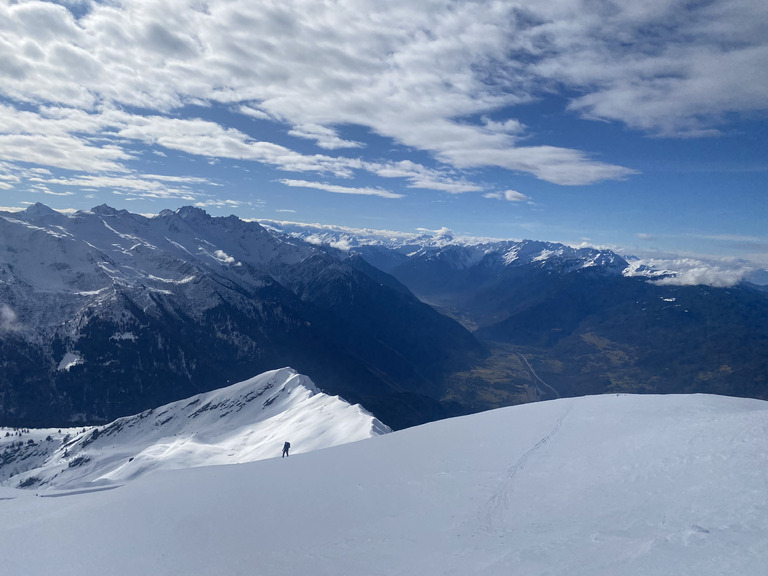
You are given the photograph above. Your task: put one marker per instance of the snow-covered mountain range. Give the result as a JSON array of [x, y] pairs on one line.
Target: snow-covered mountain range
[[84, 260], [582, 320], [104, 313], [388, 250], [593, 486], [245, 422]]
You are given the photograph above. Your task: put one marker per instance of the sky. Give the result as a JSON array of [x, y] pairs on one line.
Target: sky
[[638, 126]]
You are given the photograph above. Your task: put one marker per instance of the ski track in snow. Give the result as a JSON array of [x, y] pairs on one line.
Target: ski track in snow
[[499, 502]]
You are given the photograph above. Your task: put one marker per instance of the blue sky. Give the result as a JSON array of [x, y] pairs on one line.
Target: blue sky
[[637, 126]]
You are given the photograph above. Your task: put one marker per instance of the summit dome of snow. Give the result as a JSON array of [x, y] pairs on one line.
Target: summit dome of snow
[[594, 486], [244, 422]]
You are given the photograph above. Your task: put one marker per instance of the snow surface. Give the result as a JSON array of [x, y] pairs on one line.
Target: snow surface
[[607, 485], [244, 422]]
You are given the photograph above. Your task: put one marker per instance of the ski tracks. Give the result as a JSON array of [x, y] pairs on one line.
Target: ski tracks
[[494, 510]]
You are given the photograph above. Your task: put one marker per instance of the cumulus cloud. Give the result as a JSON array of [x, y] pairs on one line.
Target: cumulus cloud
[[707, 275], [342, 244], [699, 251], [674, 270], [223, 257]]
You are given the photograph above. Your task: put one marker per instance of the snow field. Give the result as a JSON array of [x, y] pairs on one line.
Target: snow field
[[630, 485], [243, 422]]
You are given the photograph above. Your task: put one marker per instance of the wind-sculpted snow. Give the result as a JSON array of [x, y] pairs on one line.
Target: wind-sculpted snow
[[593, 486], [244, 422]]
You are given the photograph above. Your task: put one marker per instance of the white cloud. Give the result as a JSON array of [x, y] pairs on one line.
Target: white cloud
[[219, 203], [514, 196], [404, 70], [706, 247], [511, 126], [676, 270], [52, 193], [409, 71], [205, 138], [666, 67], [341, 189], [343, 244], [139, 185], [8, 319], [324, 137], [254, 112], [509, 195], [223, 257], [422, 177], [707, 275]]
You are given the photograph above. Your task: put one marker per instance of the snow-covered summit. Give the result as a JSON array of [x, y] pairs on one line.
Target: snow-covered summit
[[593, 486], [243, 422]]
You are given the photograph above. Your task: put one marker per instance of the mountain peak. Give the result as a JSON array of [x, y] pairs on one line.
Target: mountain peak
[[39, 209], [106, 210], [192, 213]]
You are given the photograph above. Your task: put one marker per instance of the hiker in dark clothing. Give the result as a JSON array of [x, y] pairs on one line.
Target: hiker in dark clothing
[[286, 447]]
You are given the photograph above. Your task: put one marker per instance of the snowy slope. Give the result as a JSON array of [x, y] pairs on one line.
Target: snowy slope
[[244, 422], [610, 485]]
